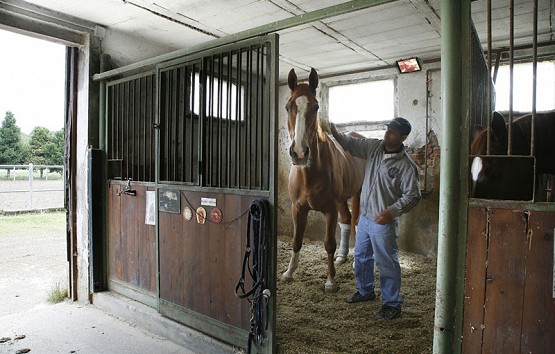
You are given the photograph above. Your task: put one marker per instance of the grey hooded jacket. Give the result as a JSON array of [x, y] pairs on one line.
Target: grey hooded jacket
[[390, 180]]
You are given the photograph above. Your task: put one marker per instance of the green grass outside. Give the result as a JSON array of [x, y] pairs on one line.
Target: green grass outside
[[23, 223], [57, 294]]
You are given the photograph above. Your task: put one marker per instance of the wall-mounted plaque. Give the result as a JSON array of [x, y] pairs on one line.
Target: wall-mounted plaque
[[201, 215], [208, 202], [187, 214], [170, 201], [216, 215]]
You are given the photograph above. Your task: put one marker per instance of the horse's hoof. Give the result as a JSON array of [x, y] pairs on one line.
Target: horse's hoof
[[285, 278], [331, 288], [339, 260]]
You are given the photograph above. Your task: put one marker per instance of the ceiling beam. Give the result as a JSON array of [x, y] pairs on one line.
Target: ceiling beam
[[428, 12], [25, 9], [181, 19], [272, 27], [328, 30]]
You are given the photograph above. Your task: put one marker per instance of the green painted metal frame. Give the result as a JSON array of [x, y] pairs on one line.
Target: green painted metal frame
[[273, 27], [452, 228]]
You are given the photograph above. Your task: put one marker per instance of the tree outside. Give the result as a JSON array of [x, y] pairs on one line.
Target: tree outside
[[43, 147], [40, 139], [12, 149]]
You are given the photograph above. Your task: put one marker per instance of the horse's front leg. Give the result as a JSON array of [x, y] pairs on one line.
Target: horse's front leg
[[299, 226], [345, 229], [330, 245]]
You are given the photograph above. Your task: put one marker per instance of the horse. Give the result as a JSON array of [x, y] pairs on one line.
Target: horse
[[323, 176], [512, 178]]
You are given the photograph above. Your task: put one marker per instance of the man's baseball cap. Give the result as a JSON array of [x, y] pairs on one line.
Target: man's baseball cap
[[400, 125]]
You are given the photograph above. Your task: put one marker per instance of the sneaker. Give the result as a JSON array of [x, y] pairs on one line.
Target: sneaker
[[357, 297], [387, 313]]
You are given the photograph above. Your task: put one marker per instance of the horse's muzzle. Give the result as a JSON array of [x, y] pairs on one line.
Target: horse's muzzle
[[299, 160]]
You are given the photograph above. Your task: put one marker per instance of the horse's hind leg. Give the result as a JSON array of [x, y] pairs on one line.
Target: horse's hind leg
[[330, 245], [355, 215], [299, 226], [345, 228]]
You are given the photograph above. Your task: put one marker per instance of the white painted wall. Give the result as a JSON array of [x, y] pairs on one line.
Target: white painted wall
[[125, 49]]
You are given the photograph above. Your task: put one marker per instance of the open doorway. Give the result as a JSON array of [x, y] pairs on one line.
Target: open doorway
[[33, 233]]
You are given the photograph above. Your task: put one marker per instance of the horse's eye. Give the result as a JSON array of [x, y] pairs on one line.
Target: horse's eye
[[316, 108], [287, 108]]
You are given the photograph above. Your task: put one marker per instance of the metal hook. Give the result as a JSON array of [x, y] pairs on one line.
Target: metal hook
[[127, 190]]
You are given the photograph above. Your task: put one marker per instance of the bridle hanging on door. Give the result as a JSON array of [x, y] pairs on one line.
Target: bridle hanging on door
[[258, 269]]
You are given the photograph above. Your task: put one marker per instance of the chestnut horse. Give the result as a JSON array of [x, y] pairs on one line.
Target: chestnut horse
[[512, 178], [323, 176]]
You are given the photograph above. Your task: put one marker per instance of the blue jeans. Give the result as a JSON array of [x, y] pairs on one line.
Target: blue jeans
[[375, 242]]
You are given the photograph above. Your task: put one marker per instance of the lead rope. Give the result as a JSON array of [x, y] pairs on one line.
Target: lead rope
[[258, 269]]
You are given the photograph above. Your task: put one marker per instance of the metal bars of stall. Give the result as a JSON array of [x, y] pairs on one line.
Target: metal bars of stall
[[490, 88], [235, 131], [534, 75], [214, 109], [179, 123], [130, 128], [511, 50]]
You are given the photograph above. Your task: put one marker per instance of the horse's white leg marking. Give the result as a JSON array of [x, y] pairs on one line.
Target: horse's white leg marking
[[293, 264], [300, 125], [343, 244]]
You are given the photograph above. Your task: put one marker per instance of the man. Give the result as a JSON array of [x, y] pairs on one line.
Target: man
[[391, 188]]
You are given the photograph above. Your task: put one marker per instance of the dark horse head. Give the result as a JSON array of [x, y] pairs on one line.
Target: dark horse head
[[302, 110], [512, 177]]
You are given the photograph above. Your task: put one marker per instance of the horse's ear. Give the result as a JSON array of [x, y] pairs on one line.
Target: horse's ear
[[313, 79], [498, 127], [292, 79], [476, 129]]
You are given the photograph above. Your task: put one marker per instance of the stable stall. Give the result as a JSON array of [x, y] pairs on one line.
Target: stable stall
[[177, 150]]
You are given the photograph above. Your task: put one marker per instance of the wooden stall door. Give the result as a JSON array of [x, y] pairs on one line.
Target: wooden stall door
[[200, 264], [131, 245], [509, 304], [217, 153], [538, 320]]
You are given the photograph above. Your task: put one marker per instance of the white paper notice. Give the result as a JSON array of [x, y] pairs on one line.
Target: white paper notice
[[150, 207]]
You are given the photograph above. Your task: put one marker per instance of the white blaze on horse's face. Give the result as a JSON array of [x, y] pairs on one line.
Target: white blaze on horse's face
[[299, 142], [475, 171], [476, 168]]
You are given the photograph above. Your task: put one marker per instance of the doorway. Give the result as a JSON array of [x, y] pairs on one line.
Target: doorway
[[33, 239]]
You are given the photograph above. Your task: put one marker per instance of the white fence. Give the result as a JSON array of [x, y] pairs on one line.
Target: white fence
[[42, 184]]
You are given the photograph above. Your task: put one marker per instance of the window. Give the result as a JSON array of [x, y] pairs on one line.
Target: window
[[363, 107], [522, 87], [220, 108], [363, 102]]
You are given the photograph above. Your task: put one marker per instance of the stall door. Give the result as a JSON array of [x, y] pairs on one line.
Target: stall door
[[217, 138]]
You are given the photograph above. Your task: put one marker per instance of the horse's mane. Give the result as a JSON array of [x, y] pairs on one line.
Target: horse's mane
[[323, 129]]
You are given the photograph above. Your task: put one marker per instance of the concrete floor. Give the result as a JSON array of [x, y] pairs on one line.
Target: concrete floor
[[70, 327], [32, 261]]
